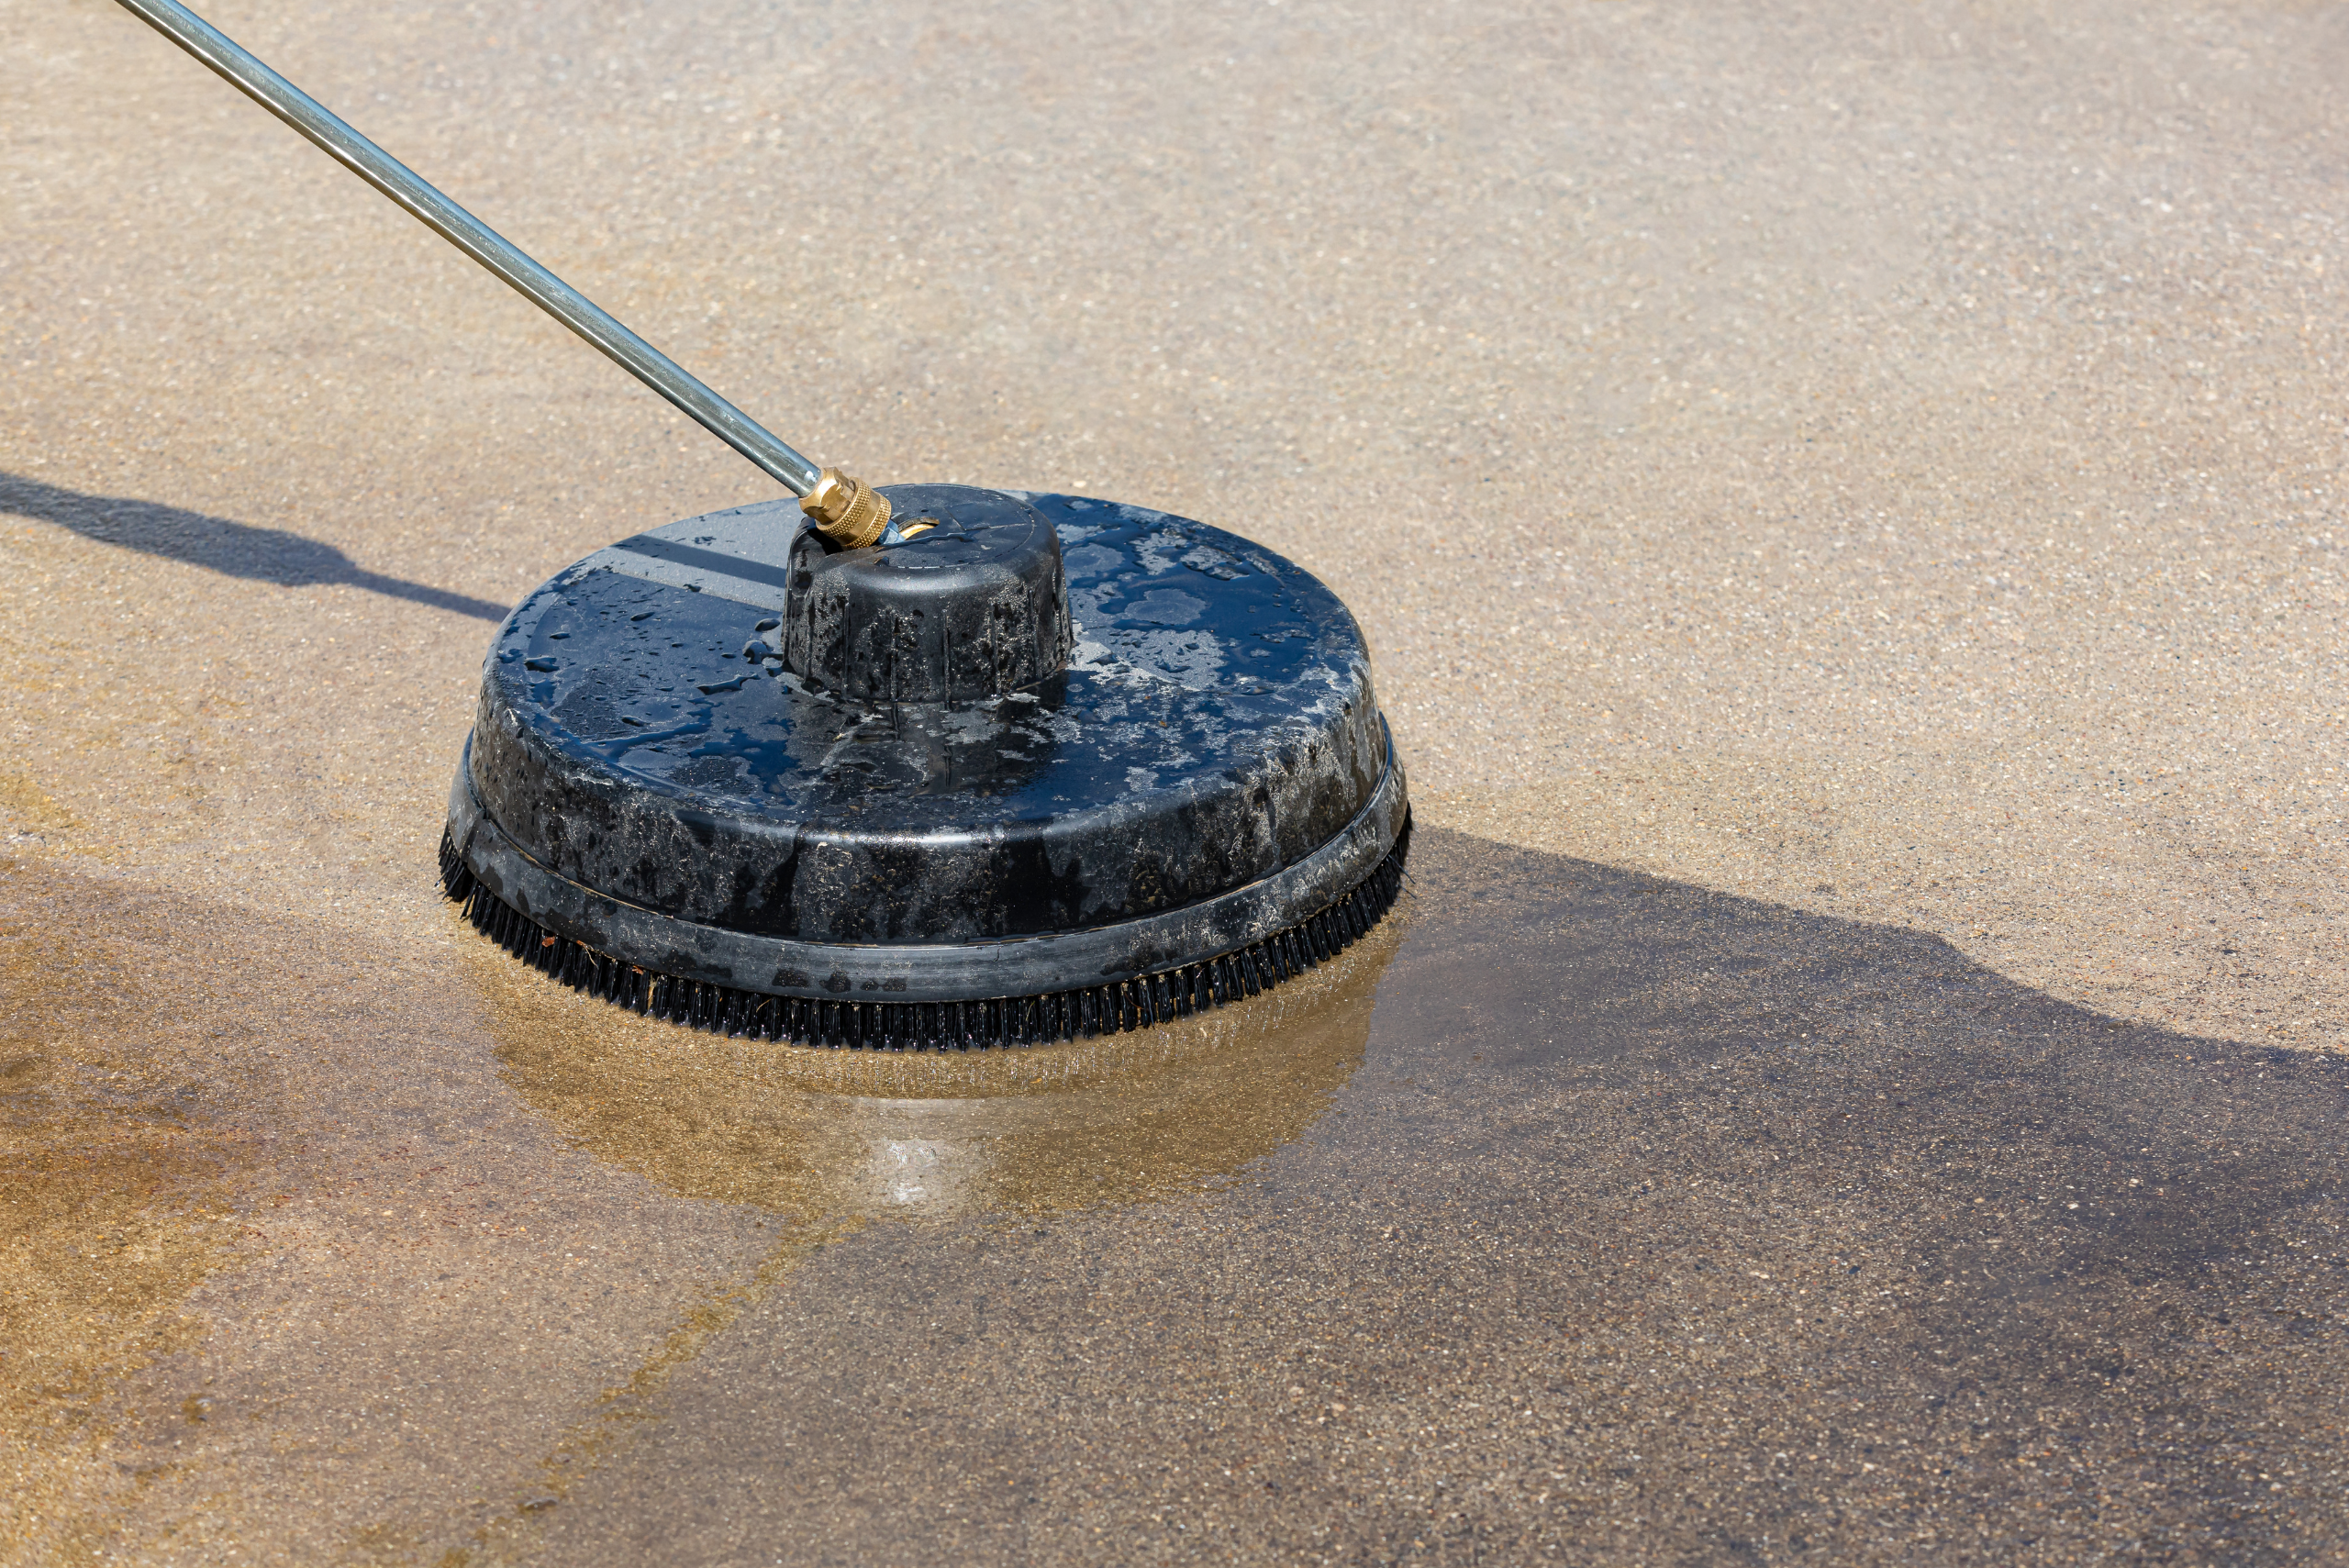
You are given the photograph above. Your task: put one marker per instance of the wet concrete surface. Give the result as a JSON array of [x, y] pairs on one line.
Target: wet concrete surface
[[1847, 505], [1574, 1215]]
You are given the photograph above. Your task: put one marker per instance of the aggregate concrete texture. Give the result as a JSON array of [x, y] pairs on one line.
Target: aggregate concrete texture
[[1848, 503]]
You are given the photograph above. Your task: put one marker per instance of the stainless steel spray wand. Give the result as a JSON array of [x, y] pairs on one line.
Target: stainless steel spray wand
[[847, 509]]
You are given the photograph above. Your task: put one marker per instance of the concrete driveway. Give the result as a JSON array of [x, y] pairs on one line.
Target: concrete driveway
[[1849, 507]]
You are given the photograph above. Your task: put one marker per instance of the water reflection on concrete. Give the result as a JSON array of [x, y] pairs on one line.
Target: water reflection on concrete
[[1657, 1224], [1634, 1222], [1117, 1120]]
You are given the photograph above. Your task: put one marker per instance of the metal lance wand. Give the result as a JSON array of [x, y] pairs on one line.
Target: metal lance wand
[[848, 510]]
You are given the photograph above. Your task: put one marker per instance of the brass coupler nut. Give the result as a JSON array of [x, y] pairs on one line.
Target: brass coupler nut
[[849, 512]]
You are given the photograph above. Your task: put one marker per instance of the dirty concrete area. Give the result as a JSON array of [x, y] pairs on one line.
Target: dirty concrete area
[[1847, 506]]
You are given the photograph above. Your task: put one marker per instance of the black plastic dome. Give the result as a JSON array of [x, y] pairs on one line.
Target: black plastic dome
[[1051, 765]]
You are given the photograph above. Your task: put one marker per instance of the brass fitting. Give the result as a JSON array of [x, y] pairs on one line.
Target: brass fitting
[[849, 512]]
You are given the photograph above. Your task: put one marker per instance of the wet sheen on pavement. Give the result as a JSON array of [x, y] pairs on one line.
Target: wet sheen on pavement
[[1574, 1215]]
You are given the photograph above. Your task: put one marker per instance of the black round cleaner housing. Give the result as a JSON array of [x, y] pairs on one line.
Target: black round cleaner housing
[[1048, 767]]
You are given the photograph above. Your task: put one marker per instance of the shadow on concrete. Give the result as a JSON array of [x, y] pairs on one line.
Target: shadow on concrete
[[239, 550], [1657, 1224]]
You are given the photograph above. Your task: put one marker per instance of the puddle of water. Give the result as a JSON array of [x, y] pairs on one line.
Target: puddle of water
[[1120, 1120]]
